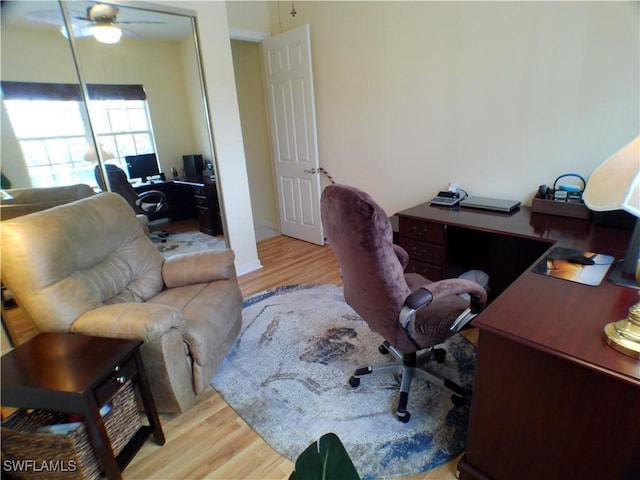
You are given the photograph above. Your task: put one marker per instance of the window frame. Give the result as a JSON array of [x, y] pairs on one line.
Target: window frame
[[117, 143]]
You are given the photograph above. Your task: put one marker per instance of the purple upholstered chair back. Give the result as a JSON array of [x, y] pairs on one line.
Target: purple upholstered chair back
[[375, 285]]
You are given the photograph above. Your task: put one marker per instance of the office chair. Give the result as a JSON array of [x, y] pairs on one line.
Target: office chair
[[145, 203], [410, 312]]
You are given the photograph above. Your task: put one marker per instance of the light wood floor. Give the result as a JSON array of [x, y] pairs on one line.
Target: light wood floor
[[210, 440]]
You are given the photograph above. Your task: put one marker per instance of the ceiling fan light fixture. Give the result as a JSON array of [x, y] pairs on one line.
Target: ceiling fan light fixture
[[106, 33]]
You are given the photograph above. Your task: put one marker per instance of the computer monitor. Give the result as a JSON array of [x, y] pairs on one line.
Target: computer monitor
[[193, 165], [142, 166]]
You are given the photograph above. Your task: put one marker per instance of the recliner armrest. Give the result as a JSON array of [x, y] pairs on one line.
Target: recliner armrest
[[198, 267], [146, 321]]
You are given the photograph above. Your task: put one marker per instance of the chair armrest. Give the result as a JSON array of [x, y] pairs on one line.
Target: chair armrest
[[198, 267], [403, 256], [146, 321], [426, 294], [151, 201], [458, 286]]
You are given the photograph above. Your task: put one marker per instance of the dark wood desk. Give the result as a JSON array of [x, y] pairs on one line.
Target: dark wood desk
[[69, 373], [551, 399], [205, 193], [180, 200]]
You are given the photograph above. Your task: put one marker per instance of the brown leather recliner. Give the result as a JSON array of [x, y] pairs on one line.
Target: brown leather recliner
[[87, 267]]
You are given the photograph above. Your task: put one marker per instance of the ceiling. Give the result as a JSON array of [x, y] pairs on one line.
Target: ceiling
[[47, 15]]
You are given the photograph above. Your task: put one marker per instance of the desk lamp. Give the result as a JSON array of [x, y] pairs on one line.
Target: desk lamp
[[615, 185]]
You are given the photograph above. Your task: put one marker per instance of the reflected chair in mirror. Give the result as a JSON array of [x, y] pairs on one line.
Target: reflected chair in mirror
[[411, 313], [146, 203]]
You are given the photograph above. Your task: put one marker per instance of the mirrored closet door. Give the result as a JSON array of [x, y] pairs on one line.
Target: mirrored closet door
[[100, 93]]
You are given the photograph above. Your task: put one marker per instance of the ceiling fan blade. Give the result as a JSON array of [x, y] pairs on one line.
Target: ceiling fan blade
[[130, 34], [52, 17], [81, 31], [131, 22]]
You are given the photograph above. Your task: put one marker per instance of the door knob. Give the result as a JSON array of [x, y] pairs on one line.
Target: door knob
[[312, 171]]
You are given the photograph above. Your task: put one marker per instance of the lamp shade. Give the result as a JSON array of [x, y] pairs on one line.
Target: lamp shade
[[615, 184], [92, 156]]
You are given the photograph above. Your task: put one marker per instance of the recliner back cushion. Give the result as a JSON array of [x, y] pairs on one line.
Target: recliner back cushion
[[65, 261]]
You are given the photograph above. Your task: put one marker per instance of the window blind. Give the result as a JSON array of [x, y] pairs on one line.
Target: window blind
[[70, 91]]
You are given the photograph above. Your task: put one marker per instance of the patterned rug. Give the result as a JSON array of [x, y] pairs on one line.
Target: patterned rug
[[287, 373], [183, 242]]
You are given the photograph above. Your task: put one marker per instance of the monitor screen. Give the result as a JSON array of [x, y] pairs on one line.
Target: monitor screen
[[142, 166]]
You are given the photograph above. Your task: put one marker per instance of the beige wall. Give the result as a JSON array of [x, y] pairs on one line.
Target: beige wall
[[497, 96], [227, 132], [255, 131], [249, 15]]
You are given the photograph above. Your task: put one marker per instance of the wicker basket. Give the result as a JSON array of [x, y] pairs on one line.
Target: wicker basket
[[37, 455]]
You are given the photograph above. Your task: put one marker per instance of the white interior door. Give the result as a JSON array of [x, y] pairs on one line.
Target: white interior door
[[292, 121]]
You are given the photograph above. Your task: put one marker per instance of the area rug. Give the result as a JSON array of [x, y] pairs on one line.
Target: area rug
[[192, 241], [287, 374]]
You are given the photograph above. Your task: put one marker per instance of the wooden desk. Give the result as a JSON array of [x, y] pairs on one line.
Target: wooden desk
[[63, 372], [205, 194], [551, 400], [180, 201]]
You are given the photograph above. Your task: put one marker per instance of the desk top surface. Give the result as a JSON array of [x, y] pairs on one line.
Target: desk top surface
[[558, 316]]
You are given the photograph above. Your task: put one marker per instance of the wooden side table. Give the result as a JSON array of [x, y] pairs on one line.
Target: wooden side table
[[63, 372]]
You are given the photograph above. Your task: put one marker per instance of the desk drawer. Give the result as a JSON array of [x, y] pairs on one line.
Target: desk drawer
[[423, 251], [432, 272], [120, 375], [424, 231], [202, 202]]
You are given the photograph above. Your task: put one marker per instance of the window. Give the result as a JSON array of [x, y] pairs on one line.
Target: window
[[49, 122]]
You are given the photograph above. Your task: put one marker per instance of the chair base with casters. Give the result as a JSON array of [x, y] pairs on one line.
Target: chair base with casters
[[410, 366]]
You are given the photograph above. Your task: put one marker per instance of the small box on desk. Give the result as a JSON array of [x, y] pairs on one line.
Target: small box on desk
[[562, 209]]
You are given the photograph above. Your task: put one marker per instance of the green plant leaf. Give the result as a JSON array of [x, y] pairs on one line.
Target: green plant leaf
[[326, 459]]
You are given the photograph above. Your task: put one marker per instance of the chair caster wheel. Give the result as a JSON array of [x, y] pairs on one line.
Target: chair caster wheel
[[354, 382], [383, 350], [457, 400], [439, 354], [404, 418]]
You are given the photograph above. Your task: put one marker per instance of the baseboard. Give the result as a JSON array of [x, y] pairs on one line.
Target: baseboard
[[265, 223], [248, 267]]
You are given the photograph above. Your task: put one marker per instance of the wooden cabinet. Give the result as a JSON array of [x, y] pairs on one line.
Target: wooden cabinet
[[78, 374], [206, 197], [425, 242]]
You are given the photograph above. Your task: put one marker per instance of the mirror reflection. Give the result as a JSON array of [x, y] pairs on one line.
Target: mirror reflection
[[145, 122]]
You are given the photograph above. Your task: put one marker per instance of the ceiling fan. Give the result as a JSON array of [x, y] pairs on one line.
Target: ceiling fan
[[100, 21]]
